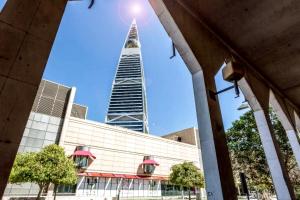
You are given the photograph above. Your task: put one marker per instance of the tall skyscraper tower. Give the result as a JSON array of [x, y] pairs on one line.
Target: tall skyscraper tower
[[128, 106]]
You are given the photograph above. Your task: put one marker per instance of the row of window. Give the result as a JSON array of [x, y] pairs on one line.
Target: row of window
[[122, 100], [139, 91], [125, 111], [126, 105], [126, 93], [126, 108], [116, 88], [126, 85], [126, 77], [132, 89], [127, 125], [127, 74], [135, 60], [127, 62], [115, 184]]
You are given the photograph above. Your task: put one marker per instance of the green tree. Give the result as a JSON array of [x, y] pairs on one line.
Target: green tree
[[247, 153], [187, 175], [50, 165]]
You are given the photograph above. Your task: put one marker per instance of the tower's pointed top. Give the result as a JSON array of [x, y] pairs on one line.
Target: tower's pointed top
[[133, 21], [132, 40]]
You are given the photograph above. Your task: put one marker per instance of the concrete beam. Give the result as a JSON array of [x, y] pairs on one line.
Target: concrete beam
[[186, 33], [27, 32], [257, 95]]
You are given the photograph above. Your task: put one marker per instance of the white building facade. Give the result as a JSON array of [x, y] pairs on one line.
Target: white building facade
[[118, 161], [111, 161]]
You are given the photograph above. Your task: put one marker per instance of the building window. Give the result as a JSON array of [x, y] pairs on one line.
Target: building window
[[82, 156], [66, 189], [179, 139], [149, 165], [149, 169], [81, 161]]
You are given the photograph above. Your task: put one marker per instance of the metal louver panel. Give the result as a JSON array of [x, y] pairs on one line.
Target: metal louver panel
[[79, 111], [58, 108], [45, 105], [50, 89], [62, 93], [51, 99]]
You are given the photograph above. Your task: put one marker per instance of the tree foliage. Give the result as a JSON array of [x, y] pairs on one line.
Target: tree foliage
[[247, 153], [50, 165], [186, 175]]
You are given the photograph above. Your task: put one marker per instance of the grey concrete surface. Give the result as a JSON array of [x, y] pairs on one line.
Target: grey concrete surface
[[258, 98], [217, 167], [27, 32], [207, 142], [285, 117], [263, 35]]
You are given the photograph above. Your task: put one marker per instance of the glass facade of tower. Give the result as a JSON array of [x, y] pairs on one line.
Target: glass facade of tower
[[128, 107]]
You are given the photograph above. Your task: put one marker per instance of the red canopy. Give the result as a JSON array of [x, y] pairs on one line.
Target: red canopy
[[150, 162], [131, 176], [105, 175], [119, 176], [84, 153], [127, 176]]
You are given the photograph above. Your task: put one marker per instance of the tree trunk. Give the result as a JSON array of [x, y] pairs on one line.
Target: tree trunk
[[266, 195], [189, 193], [40, 192], [182, 193], [54, 191], [257, 195]]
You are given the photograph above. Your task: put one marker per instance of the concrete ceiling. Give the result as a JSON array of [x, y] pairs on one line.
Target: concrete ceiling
[[266, 33]]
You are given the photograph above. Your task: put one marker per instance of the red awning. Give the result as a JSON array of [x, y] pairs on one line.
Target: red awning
[[150, 162], [106, 175], [93, 174], [119, 176], [126, 176], [131, 176], [84, 153], [161, 178]]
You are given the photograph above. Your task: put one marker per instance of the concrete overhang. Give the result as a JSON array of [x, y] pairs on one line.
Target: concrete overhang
[[263, 34]]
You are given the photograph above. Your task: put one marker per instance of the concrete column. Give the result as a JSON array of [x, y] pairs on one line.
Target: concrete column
[[27, 32], [286, 120], [282, 186], [67, 116], [258, 97], [216, 162]]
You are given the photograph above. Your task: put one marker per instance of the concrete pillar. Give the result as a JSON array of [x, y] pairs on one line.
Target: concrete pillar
[[257, 95], [67, 116], [216, 162], [284, 116], [185, 31], [27, 32]]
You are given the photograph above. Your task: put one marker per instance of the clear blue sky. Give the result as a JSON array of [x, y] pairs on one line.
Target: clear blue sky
[[86, 52]]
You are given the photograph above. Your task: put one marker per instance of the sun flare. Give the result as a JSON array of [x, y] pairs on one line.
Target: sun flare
[[135, 9]]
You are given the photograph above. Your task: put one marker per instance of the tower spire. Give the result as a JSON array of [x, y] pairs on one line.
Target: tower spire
[[132, 40], [133, 21], [128, 106]]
